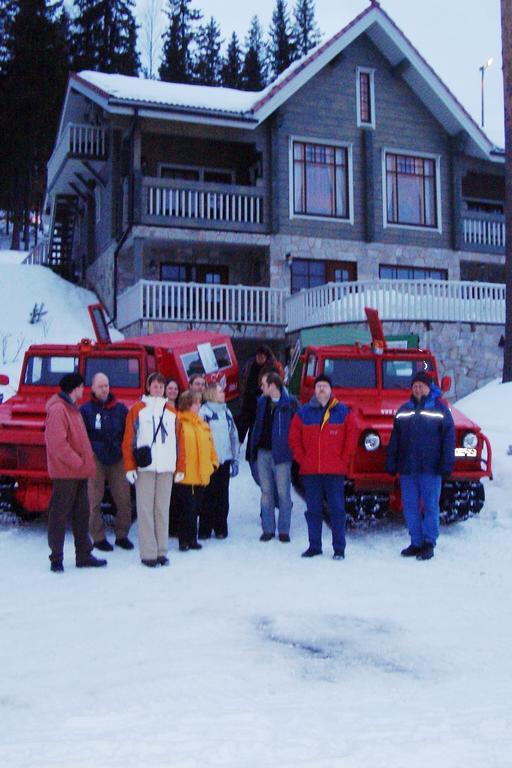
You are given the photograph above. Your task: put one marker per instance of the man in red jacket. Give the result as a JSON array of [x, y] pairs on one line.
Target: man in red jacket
[[317, 440], [70, 463]]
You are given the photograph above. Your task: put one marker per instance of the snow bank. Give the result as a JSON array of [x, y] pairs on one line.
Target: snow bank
[[66, 321]]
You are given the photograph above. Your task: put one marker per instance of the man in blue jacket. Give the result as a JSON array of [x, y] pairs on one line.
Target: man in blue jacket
[[105, 418], [422, 451], [269, 448]]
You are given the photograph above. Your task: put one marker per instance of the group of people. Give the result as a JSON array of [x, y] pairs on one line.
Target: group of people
[[179, 451]]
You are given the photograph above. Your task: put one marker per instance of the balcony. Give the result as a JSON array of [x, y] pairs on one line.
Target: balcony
[[415, 300], [83, 143], [483, 232], [200, 303], [173, 202]]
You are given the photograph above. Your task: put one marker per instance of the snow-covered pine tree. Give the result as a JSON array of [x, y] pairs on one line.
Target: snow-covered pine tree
[[177, 60], [231, 71], [207, 59], [104, 36], [254, 70], [306, 33], [281, 50]]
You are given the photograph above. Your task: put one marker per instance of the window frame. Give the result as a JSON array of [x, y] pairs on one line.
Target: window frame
[[413, 154], [399, 267], [360, 122], [347, 146]]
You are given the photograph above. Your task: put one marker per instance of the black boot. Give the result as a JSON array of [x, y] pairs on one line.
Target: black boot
[[411, 551], [427, 552], [91, 562], [103, 545]]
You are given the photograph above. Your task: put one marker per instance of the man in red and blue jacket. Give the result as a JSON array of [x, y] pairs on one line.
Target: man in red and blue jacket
[[317, 439]]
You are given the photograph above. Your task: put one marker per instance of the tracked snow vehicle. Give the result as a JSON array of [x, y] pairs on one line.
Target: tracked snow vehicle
[[24, 483], [374, 379]]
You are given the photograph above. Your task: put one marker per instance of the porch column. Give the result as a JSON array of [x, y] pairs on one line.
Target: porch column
[[457, 146]]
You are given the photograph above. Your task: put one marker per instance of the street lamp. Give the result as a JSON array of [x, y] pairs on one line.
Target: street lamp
[[482, 72]]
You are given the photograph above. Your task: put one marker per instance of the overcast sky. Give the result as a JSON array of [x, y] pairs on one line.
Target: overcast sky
[[455, 36]]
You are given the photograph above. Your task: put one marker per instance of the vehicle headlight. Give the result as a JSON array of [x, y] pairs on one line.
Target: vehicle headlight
[[371, 441], [470, 440]]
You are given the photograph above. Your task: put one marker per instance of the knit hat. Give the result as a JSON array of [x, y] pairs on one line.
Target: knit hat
[[323, 377], [423, 377], [70, 381]]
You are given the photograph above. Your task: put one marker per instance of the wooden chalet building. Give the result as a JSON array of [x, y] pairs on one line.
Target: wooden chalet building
[[191, 206]]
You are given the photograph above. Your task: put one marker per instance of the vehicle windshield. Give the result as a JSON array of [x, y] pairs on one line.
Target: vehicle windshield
[[120, 371], [351, 373], [48, 370], [397, 374]]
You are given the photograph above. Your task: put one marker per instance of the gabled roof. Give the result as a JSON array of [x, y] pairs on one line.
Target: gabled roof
[[226, 106]]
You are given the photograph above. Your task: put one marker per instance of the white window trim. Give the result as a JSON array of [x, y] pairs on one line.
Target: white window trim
[[371, 72], [291, 191], [415, 227], [201, 170]]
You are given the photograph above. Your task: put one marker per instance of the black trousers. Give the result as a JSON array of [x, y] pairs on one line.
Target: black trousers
[[189, 498], [215, 506], [69, 497]]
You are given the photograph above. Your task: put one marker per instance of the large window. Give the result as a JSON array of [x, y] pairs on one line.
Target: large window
[[397, 374], [394, 272], [320, 180], [411, 190], [121, 371]]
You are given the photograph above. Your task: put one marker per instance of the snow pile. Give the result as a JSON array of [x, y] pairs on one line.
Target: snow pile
[[66, 319]]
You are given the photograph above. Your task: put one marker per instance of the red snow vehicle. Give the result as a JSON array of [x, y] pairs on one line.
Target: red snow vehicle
[[24, 482], [374, 380]]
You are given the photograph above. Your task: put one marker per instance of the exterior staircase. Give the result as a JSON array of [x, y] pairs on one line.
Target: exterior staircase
[[62, 233]]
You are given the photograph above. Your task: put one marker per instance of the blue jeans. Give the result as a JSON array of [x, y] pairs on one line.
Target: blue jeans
[[333, 486], [275, 476], [423, 523]]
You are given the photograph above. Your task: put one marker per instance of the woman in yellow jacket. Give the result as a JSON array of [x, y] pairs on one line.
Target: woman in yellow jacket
[[197, 461]]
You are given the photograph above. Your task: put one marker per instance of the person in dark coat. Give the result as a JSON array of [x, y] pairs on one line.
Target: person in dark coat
[[270, 450], [105, 419], [317, 440], [250, 388], [422, 450]]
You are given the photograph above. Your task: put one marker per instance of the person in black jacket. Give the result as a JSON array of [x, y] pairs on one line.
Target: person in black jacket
[[422, 451], [105, 419]]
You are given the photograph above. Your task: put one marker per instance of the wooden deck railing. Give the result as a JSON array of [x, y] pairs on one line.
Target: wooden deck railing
[[200, 303], [433, 300], [173, 201]]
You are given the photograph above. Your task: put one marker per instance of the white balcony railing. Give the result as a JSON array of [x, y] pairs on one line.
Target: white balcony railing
[[202, 202], [435, 300], [77, 140], [483, 231], [200, 303]]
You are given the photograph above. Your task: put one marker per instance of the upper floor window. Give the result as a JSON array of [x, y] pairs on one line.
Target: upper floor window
[[320, 180], [365, 98], [395, 272], [411, 190]]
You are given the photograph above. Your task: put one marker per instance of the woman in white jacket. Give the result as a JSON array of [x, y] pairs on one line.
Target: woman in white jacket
[[152, 422], [215, 506]]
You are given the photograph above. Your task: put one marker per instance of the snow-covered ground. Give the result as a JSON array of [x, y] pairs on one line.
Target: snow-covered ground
[[245, 655]]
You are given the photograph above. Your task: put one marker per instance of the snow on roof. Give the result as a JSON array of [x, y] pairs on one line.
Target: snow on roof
[[135, 89]]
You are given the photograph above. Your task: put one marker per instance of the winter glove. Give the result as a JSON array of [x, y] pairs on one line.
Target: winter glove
[[131, 476], [178, 477], [233, 472]]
